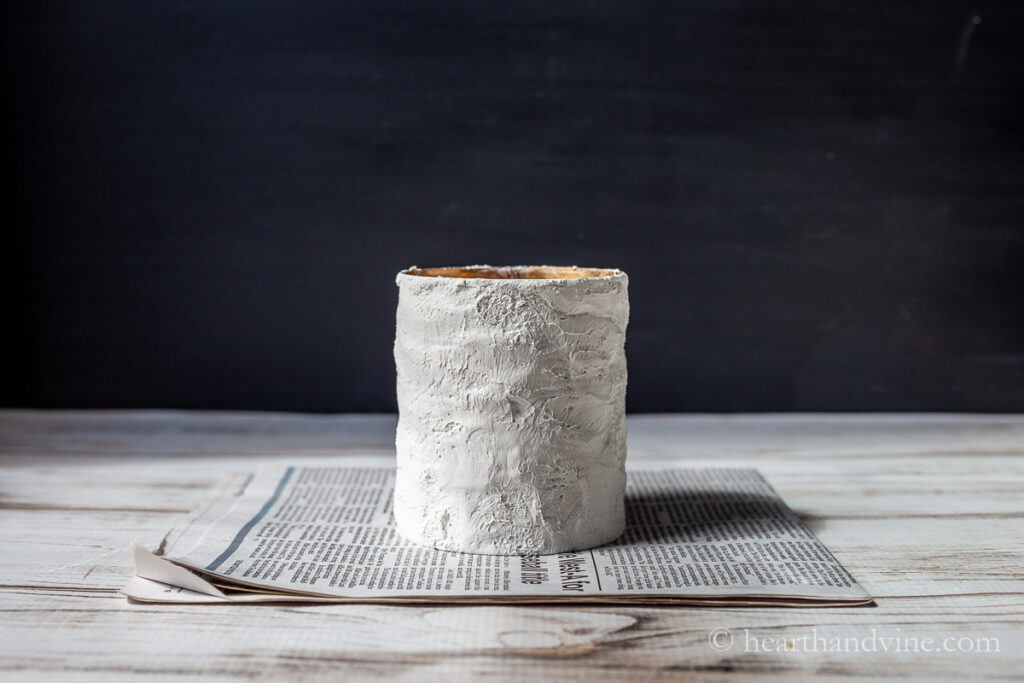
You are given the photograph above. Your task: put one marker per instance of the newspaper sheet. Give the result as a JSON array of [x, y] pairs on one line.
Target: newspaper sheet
[[326, 534]]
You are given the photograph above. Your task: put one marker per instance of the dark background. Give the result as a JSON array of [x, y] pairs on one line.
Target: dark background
[[819, 204]]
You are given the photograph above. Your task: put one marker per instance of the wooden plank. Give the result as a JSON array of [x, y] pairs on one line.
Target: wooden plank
[[103, 636], [867, 486], [106, 433]]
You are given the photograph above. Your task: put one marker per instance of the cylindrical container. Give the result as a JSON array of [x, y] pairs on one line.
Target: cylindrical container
[[511, 395]]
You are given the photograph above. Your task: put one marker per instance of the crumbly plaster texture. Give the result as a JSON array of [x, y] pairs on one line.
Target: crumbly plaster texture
[[512, 432]]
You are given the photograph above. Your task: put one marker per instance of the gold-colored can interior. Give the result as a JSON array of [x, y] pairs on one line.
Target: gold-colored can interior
[[515, 272]]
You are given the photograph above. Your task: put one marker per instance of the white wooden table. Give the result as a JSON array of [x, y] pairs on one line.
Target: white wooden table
[[926, 511]]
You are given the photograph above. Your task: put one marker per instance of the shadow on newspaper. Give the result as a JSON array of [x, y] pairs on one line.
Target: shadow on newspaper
[[701, 516]]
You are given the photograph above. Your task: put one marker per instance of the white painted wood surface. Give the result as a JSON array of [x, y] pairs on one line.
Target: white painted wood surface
[[926, 511]]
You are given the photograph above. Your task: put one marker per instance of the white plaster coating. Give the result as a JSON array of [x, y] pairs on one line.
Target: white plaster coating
[[512, 429]]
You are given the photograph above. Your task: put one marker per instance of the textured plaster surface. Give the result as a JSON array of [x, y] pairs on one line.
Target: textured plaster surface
[[511, 392]]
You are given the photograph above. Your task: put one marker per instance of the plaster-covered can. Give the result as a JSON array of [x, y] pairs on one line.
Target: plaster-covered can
[[511, 394]]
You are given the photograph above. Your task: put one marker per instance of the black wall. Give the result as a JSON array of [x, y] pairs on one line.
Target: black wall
[[820, 204]]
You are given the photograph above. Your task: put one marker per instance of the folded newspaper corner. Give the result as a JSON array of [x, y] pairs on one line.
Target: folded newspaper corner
[[326, 534]]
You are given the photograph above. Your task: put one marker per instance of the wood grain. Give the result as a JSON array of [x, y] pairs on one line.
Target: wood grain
[[924, 510]]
